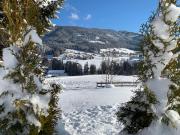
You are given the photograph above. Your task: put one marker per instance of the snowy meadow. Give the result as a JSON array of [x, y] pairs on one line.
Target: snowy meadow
[[87, 110]]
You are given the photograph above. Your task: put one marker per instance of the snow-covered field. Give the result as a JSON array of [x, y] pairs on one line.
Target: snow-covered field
[[86, 81], [87, 110]]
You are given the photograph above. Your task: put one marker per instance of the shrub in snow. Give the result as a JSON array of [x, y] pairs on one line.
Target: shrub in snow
[[26, 107], [138, 112], [159, 73]]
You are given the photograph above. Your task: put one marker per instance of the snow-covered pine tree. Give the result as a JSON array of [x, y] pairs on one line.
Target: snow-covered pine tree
[[158, 99], [26, 107], [138, 112], [173, 67]]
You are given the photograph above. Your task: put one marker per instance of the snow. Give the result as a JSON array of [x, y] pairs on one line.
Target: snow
[[120, 50], [174, 117], [160, 62], [86, 81], [44, 3], [96, 59], [79, 35], [42, 102], [161, 29], [16, 91], [56, 73], [97, 38], [71, 100], [98, 118], [37, 82], [1, 63], [159, 85], [9, 60], [11, 93], [173, 13], [32, 36], [13, 88], [158, 128], [39, 102], [87, 110], [72, 51], [116, 38], [110, 86], [75, 52], [110, 35], [158, 44], [33, 120], [172, 45], [100, 42]]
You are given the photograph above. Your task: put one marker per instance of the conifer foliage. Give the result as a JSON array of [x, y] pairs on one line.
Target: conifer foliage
[[137, 113], [26, 105], [158, 99]]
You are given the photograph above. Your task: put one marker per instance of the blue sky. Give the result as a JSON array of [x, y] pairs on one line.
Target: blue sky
[[109, 14]]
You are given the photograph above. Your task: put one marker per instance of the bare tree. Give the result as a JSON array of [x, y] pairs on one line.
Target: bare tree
[[109, 60]]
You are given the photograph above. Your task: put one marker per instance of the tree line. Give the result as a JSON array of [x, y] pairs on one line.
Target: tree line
[[114, 68]]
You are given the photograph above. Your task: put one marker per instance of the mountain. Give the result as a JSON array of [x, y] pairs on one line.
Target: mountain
[[90, 39]]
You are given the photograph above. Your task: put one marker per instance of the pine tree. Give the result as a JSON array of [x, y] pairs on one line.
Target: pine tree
[[25, 106], [103, 67], [93, 69], [159, 73], [137, 113], [127, 68], [79, 69], [57, 64], [86, 69]]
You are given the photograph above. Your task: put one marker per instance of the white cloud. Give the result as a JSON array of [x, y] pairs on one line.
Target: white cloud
[[69, 7], [88, 17], [74, 16]]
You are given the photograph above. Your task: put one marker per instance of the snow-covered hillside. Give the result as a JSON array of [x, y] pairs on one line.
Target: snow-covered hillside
[[120, 55], [119, 50], [90, 39], [87, 110]]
